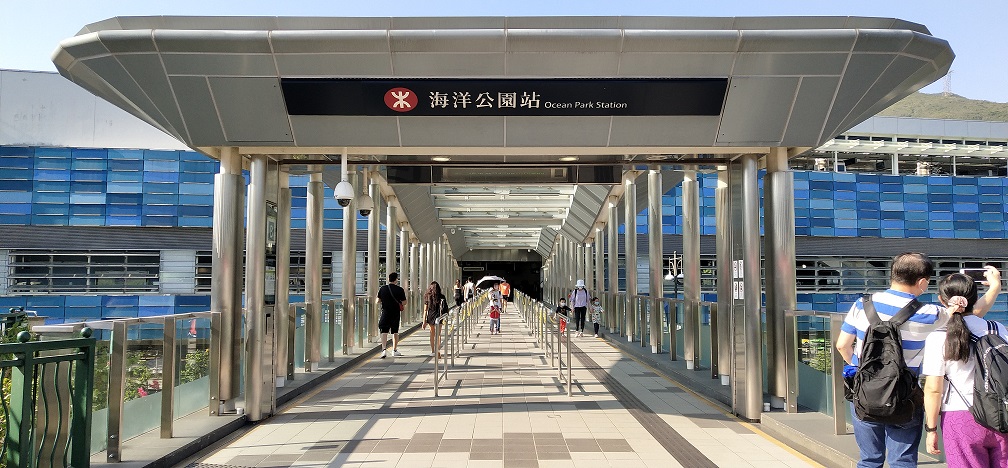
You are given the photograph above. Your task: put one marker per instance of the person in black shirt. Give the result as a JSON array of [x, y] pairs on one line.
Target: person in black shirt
[[392, 299]]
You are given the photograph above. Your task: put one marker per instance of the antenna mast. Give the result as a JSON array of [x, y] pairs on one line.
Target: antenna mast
[[947, 90]]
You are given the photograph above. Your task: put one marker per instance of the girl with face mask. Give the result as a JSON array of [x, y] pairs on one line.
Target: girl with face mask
[[596, 314]]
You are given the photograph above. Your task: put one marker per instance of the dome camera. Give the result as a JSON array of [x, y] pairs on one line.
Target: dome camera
[[344, 193], [365, 205]]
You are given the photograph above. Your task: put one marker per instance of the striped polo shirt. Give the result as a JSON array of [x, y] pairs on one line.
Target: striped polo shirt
[[914, 332]]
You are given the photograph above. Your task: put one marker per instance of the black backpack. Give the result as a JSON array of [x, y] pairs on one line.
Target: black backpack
[[990, 380], [884, 389]]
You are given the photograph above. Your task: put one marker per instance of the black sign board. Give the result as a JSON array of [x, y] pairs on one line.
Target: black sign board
[[504, 97]]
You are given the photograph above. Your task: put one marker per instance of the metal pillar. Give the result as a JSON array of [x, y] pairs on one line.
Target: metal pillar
[[589, 267], [691, 268], [894, 162], [373, 225], [255, 286], [723, 242], [779, 248], [612, 227], [403, 257], [349, 272], [390, 237], [630, 243], [281, 311], [599, 251], [656, 289], [414, 270], [313, 272], [747, 328], [226, 283]]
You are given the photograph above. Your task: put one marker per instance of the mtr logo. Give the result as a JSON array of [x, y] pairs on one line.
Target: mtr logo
[[400, 99]]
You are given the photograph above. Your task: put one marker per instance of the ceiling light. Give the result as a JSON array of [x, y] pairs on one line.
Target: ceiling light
[[569, 158], [502, 216], [441, 158]]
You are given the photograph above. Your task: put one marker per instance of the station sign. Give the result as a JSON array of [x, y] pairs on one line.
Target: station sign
[[505, 97]]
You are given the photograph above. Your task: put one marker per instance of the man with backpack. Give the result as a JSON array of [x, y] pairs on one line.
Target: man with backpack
[[883, 336]]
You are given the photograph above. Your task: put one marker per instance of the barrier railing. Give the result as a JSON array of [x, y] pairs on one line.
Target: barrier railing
[[456, 326], [547, 327], [132, 399], [47, 413], [814, 363]]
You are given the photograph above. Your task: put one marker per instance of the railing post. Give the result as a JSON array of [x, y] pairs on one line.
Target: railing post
[[332, 329], [22, 409], [569, 366], [291, 329], [168, 378], [215, 362], [117, 390], [791, 360], [673, 309], [839, 402], [83, 394], [715, 351]]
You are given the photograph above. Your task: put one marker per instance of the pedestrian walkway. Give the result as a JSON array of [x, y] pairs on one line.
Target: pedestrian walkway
[[503, 406]]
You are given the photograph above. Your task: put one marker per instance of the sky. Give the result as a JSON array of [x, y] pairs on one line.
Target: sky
[[30, 30]]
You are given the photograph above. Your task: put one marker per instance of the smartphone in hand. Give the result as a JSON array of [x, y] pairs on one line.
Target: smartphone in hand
[[976, 273]]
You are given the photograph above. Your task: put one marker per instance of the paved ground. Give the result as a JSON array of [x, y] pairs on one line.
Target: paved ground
[[503, 406]]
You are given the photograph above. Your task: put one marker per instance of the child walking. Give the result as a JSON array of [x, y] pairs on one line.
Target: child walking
[[563, 312], [596, 314]]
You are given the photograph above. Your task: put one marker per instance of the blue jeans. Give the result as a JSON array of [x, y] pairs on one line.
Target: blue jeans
[[900, 441]]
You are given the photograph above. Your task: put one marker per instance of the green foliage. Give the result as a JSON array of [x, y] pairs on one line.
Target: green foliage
[[937, 106], [197, 365]]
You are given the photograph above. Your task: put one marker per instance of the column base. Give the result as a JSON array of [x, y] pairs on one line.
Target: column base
[[690, 365], [281, 381], [725, 380], [777, 402], [655, 350]]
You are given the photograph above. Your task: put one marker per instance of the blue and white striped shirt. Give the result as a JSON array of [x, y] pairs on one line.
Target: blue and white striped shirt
[[914, 332]]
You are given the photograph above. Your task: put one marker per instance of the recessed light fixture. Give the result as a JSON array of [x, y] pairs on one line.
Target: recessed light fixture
[[441, 158], [569, 158]]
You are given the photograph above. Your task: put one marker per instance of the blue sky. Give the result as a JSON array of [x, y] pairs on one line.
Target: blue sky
[[31, 29]]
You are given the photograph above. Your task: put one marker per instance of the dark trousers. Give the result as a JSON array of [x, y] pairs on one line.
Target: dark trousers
[[579, 318], [596, 328]]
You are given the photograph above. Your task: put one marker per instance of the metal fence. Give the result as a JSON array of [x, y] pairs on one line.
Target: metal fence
[[551, 332]]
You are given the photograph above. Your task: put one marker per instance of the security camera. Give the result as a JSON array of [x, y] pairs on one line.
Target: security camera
[[344, 193], [365, 204]]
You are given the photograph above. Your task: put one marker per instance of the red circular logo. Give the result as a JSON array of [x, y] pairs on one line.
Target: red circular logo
[[400, 99]]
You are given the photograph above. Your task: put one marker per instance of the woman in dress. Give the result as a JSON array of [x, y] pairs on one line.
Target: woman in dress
[[435, 304]]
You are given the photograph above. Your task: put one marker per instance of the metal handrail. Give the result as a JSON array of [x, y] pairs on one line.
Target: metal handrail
[[459, 326], [117, 367], [546, 326], [836, 364]]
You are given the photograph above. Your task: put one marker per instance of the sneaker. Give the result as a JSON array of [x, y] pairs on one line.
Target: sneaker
[[383, 354], [396, 353], [430, 355], [596, 335]]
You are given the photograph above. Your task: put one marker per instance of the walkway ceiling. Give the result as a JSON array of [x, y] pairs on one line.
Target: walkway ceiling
[[303, 90]]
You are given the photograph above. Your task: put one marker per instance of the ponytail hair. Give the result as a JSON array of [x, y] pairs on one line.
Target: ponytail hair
[[432, 295], [958, 336]]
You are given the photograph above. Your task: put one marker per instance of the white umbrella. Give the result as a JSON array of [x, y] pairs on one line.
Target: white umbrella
[[490, 280]]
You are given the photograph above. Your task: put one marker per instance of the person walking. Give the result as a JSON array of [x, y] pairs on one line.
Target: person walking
[[579, 298], [949, 357], [495, 309], [393, 300], [469, 290], [563, 313], [458, 292], [909, 275], [505, 289], [435, 305], [596, 315]]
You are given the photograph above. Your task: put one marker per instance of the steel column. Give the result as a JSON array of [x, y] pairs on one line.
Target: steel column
[[599, 251], [656, 288], [723, 249], [226, 282], [313, 271], [281, 310], [391, 228], [372, 258], [612, 228], [779, 248], [747, 310], [630, 243], [255, 287], [691, 267], [349, 272]]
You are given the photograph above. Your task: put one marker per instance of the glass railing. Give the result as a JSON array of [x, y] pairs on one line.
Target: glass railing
[[149, 372], [815, 374]]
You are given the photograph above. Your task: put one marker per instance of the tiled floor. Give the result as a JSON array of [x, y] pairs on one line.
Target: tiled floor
[[503, 406]]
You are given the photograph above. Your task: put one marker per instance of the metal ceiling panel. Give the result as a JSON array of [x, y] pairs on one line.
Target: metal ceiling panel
[[208, 41], [251, 109], [772, 96], [641, 130], [330, 42], [785, 64], [680, 65], [418, 209], [814, 94], [146, 69], [551, 65], [862, 69], [139, 41], [546, 239], [557, 131], [436, 131], [670, 41], [201, 116], [351, 130], [431, 65], [115, 76], [829, 40], [435, 41], [328, 65], [249, 65]]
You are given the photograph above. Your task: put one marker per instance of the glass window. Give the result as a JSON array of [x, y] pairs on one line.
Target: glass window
[[32, 272]]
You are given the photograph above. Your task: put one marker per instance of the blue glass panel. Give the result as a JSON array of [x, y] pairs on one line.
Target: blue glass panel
[[51, 197], [195, 210], [821, 231], [967, 234], [53, 163], [915, 206], [124, 198], [989, 190], [992, 235], [87, 198], [991, 216], [845, 223], [918, 233], [891, 206], [154, 199], [921, 224], [88, 165], [122, 210], [821, 204], [88, 176], [801, 194], [16, 151], [891, 197], [160, 188], [330, 224], [132, 177], [965, 207], [15, 219], [161, 166], [120, 312], [892, 224], [942, 225], [17, 174], [845, 214], [15, 208], [196, 189], [869, 223], [55, 175], [846, 196], [125, 187], [161, 177], [17, 162], [803, 222], [184, 221], [160, 210], [802, 231], [821, 222], [916, 215], [205, 166], [872, 196], [163, 221], [891, 215], [86, 220], [122, 220], [85, 187], [966, 216], [125, 154], [161, 154], [915, 197], [298, 223], [913, 188], [16, 197], [893, 233], [87, 210], [942, 189], [125, 165], [196, 178], [846, 232], [46, 220]]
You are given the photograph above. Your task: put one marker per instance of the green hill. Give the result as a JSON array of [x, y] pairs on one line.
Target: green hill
[[937, 106]]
